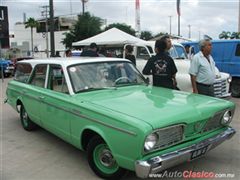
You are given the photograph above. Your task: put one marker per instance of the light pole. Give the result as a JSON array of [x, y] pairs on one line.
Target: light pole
[[2, 75], [189, 31], [45, 14], [239, 17], [170, 25], [83, 5], [52, 38]]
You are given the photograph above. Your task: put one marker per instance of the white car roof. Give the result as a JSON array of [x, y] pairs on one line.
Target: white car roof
[[66, 61]]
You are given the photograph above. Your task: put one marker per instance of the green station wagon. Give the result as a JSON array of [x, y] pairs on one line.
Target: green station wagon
[[105, 106]]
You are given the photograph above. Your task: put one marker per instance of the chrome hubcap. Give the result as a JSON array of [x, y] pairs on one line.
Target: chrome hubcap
[[106, 158], [25, 115]]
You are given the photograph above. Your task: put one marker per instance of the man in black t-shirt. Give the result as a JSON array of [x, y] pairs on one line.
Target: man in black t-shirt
[[161, 67], [129, 55], [91, 52]]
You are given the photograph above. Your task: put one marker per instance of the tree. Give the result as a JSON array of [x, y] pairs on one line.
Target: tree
[[235, 35], [32, 23], [86, 26], [69, 39], [160, 34], [224, 35], [122, 26], [229, 35], [146, 35]]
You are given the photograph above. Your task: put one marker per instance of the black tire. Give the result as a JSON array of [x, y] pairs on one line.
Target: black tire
[[6, 75], [235, 88], [26, 122], [109, 170]]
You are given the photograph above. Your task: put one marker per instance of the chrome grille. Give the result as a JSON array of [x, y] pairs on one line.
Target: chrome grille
[[214, 122], [220, 88], [169, 136]]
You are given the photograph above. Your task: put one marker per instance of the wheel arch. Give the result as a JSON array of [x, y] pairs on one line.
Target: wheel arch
[[88, 133], [18, 104]]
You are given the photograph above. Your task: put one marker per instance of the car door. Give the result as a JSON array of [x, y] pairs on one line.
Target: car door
[[56, 102], [220, 53], [235, 60], [32, 98]]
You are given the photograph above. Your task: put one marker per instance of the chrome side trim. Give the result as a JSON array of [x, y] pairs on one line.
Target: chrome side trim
[[9, 88], [158, 163], [79, 114], [32, 97]]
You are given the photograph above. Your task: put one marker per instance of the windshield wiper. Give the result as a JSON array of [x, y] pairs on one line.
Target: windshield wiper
[[95, 89], [179, 58], [129, 84]]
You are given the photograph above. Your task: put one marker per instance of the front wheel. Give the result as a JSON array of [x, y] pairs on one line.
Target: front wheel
[[101, 160], [26, 122]]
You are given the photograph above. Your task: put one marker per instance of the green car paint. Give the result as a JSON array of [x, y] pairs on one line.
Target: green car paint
[[123, 116]]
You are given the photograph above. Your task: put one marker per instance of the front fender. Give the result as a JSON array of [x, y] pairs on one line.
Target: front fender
[[125, 148]]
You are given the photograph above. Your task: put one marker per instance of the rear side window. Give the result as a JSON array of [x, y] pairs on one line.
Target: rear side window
[[57, 80], [39, 75], [237, 53], [23, 71]]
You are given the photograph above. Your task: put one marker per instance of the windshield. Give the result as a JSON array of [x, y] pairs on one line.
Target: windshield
[[142, 53], [103, 75], [178, 52]]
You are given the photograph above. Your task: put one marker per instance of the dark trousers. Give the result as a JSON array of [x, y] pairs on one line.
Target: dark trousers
[[205, 89]]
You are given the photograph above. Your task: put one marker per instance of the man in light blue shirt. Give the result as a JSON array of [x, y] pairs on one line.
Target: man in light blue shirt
[[202, 70]]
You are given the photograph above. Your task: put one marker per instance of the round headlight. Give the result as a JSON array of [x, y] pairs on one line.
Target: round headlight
[[227, 117], [150, 141], [229, 79]]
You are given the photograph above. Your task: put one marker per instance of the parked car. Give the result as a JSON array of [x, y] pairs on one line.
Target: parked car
[[226, 54], [15, 60], [6, 68], [105, 107]]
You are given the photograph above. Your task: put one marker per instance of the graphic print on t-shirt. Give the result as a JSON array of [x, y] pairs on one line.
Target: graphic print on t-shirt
[[160, 67]]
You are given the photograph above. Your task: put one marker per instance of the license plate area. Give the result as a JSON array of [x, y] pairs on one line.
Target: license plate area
[[199, 152]]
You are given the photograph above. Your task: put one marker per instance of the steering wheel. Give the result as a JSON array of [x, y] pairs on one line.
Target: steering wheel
[[121, 78]]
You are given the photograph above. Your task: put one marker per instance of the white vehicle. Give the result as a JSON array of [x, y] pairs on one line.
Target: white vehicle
[[178, 53], [143, 50]]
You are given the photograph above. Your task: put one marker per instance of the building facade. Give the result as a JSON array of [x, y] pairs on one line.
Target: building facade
[[22, 37]]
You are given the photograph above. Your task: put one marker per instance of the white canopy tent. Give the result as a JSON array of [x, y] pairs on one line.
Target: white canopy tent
[[111, 37]]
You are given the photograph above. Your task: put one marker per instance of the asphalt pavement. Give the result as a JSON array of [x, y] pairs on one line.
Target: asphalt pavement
[[39, 155]]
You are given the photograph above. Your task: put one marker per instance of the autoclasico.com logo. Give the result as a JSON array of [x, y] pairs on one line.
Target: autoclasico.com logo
[[191, 174]]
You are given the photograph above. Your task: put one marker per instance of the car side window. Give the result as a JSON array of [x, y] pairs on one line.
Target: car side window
[[39, 75], [142, 53], [237, 53], [23, 71], [57, 81]]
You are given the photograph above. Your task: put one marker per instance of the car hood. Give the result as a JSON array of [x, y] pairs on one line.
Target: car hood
[[156, 106], [5, 62]]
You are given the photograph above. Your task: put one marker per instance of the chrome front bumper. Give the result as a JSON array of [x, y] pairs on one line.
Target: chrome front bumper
[[159, 163]]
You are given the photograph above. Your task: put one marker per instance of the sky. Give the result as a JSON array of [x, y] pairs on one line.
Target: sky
[[209, 17]]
